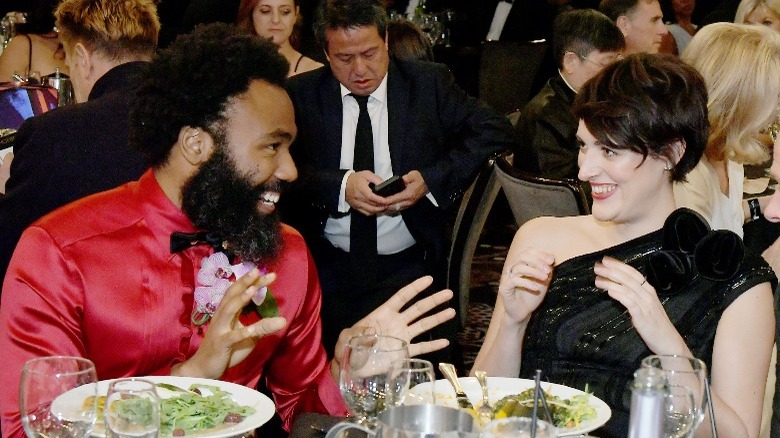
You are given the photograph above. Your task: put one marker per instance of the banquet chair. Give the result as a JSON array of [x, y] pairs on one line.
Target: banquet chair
[[511, 72], [469, 222], [532, 196]]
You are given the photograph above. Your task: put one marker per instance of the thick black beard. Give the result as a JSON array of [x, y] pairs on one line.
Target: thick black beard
[[220, 200]]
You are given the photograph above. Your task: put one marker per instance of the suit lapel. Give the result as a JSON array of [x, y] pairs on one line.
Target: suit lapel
[[398, 113], [332, 115]]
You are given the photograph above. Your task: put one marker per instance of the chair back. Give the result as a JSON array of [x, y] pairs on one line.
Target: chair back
[[469, 222], [509, 72], [532, 196]]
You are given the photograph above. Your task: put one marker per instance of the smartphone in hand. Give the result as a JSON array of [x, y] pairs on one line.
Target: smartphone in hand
[[391, 186]]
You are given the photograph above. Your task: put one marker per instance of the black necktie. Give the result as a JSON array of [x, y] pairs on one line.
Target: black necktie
[[362, 230], [181, 241]]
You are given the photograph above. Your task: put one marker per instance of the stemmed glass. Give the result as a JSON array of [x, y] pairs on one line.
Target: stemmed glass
[[363, 376], [411, 382], [58, 397], [679, 412], [688, 372], [132, 409]]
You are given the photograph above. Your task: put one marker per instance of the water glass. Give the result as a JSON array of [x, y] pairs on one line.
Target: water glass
[[132, 409], [411, 382], [58, 397], [679, 412], [688, 372], [363, 375], [518, 427]]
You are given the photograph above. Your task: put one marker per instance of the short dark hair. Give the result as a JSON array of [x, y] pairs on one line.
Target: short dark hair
[[583, 30], [646, 103], [615, 8], [192, 81], [348, 14], [407, 41]]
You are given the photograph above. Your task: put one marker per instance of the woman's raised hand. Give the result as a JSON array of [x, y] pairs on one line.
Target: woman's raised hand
[[524, 282], [629, 287]]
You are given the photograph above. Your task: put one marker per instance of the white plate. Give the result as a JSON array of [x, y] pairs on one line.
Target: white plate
[[500, 387], [264, 407]]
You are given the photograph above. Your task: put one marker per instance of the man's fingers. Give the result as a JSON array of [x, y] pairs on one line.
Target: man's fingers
[[430, 322], [239, 294], [408, 292], [423, 306], [427, 347], [267, 326]]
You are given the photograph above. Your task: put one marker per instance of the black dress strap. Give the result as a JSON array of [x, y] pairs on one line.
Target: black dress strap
[[297, 64]]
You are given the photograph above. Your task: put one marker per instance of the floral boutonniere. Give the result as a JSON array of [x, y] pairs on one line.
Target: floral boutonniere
[[215, 277]]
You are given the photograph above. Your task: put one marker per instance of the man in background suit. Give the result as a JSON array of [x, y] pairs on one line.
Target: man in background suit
[[414, 110], [641, 22], [75, 151]]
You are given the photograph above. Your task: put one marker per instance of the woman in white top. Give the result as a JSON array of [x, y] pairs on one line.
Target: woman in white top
[[279, 21], [741, 67]]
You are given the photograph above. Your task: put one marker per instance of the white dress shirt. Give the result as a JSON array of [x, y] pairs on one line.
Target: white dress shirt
[[499, 19], [392, 234]]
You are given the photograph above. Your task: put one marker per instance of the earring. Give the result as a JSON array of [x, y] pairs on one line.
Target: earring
[[668, 166]]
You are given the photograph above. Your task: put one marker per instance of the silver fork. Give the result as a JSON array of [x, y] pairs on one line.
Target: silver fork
[[484, 412]]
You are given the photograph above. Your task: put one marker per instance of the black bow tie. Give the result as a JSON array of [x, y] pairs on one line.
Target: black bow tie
[[181, 241]]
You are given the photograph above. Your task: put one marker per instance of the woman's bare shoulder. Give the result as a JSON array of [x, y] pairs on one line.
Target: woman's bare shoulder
[[557, 235]]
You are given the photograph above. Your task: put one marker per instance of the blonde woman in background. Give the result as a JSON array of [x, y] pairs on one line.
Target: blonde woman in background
[[741, 67], [763, 12], [278, 20]]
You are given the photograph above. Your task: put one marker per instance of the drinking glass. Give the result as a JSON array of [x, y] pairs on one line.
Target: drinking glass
[[688, 372], [679, 412], [518, 427], [363, 376], [58, 397], [410, 382], [132, 409]]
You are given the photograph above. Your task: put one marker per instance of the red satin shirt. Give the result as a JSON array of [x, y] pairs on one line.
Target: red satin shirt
[[96, 279]]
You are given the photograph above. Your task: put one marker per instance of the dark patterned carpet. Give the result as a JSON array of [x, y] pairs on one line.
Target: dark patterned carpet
[[486, 272]]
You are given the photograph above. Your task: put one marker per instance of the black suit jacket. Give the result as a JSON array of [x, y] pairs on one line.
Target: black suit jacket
[[68, 153], [433, 127]]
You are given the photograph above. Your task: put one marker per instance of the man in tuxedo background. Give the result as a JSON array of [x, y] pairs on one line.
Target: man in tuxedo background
[[641, 22], [405, 115]]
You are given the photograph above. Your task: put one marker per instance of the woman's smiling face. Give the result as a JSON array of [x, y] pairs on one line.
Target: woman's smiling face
[[622, 181]]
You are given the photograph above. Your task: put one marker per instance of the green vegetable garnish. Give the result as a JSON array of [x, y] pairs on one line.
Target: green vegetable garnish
[[566, 413]]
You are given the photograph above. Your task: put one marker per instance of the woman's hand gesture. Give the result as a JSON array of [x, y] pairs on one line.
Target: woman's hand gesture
[[524, 282], [629, 287]]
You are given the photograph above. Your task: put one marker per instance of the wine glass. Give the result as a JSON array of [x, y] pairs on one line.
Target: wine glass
[[132, 409], [363, 376], [518, 427], [58, 397], [679, 412], [688, 372], [410, 382]]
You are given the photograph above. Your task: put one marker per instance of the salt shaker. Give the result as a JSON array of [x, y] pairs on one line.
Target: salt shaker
[[648, 396]]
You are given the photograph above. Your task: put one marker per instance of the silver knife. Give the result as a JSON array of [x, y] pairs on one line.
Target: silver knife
[[448, 370]]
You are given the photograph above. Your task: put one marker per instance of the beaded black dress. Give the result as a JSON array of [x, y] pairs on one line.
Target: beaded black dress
[[580, 336]]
